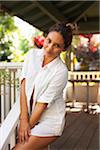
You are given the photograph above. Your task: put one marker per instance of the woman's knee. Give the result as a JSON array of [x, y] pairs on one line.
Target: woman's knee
[[26, 146], [35, 143], [16, 147]]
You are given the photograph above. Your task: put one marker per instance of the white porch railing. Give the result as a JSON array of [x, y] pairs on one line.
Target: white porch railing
[[84, 75], [9, 121], [87, 78], [7, 129], [9, 76], [9, 88]]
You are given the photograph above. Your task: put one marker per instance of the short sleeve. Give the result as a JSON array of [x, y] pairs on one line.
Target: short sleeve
[[54, 89]]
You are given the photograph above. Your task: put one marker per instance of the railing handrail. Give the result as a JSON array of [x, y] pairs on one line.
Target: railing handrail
[[10, 65], [84, 75], [19, 65], [9, 124]]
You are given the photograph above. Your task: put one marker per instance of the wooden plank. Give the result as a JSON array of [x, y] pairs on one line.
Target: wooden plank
[[68, 131], [70, 119], [87, 136], [80, 133], [77, 133], [94, 144]]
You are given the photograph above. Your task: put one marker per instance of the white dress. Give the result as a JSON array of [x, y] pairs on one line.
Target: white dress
[[48, 83]]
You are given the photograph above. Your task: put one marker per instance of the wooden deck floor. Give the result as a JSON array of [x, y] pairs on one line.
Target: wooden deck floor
[[81, 133]]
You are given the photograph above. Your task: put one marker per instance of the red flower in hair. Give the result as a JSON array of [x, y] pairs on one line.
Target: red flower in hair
[[39, 41]]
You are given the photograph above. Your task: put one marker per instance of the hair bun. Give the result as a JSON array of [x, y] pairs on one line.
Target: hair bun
[[72, 26]]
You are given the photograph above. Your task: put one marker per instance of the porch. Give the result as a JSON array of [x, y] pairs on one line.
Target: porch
[[81, 130]]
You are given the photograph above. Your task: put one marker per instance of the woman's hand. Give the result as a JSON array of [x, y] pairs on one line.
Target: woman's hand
[[24, 131]]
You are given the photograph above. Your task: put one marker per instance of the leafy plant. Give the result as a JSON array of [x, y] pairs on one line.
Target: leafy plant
[[6, 29]]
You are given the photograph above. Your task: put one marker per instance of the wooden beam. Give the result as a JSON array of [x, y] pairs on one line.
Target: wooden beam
[[89, 26], [84, 8], [50, 10], [24, 8], [40, 23], [77, 9], [71, 7], [35, 17]]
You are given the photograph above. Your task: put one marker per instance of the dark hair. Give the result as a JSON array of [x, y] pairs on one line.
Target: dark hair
[[65, 30]]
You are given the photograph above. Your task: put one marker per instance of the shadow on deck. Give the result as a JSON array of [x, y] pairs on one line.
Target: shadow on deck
[[81, 132]]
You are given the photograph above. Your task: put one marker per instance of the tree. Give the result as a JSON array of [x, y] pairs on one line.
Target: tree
[[6, 29], [24, 44]]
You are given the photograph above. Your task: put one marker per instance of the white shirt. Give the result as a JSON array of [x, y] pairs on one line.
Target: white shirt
[[48, 83]]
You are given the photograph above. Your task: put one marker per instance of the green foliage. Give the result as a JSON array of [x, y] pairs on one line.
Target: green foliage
[[6, 24], [23, 44], [6, 29], [13, 46], [18, 56], [21, 49], [75, 41], [5, 50]]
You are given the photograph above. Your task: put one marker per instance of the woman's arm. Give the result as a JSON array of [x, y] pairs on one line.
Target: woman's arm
[[36, 114], [24, 128], [23, 102]]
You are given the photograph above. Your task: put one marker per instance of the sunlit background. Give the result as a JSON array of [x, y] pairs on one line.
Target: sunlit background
[[82, 55]]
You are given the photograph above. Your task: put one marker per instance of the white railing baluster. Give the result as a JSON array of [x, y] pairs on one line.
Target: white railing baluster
[[2, 104], [8, 86]]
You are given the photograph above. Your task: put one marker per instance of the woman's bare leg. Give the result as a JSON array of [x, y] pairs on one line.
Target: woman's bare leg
[[35, 143]]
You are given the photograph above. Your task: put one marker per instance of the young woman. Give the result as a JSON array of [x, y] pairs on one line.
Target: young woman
[[44, 76]]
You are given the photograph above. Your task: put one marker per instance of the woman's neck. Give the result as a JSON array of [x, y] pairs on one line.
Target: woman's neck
[[47, 60]]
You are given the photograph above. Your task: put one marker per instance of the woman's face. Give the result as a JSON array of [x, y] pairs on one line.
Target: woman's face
[[53, 44]]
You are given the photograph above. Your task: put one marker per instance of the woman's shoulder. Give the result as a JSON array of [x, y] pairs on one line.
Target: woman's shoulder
[[62, 66], [61, 71]]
